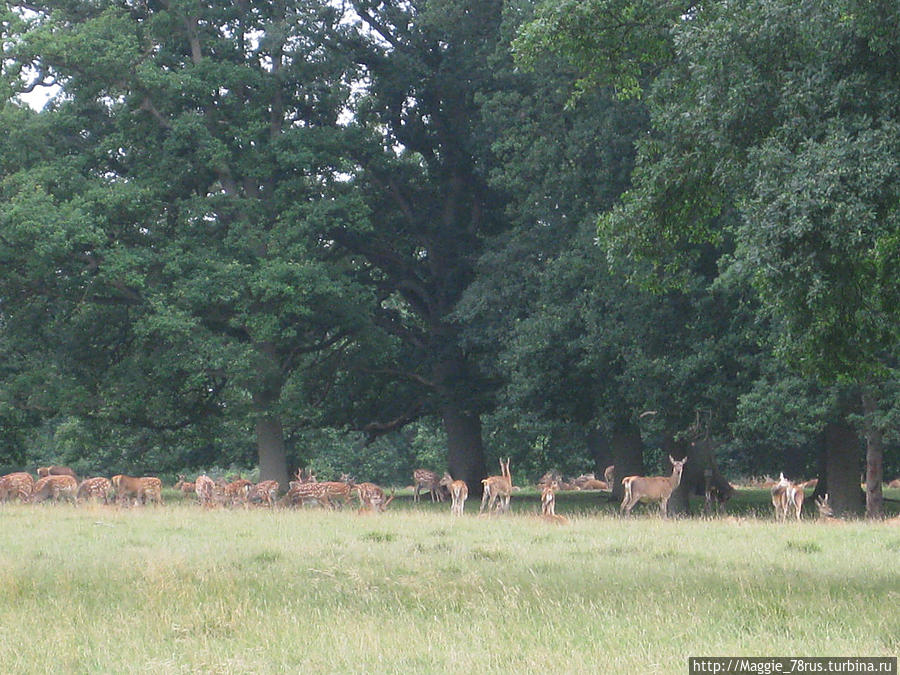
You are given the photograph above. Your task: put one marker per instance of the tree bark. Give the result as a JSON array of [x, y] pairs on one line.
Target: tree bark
[[874, 457], [842, 450], [270, 446], [465, 450], [628, 456]]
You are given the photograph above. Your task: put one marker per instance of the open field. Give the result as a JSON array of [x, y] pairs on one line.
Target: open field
[[179, 589]]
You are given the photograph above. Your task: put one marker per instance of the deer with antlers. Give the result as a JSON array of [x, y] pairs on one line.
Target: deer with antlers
[[497, 488], [371, 498], [459, 492], [654, 489]]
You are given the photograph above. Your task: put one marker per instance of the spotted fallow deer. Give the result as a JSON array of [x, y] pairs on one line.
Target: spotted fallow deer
[[265, 492], [95, 489], [371, 498], [143, 489], [429, 480], [459, 492], [826, 513], [497, 488], [205, 488], [54, 487], [654, 489], [17, 485]]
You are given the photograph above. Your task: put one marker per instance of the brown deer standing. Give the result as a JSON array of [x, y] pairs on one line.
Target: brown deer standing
[[205, 488], [54, 487], [301, 493], [787, 497], [144, 489], [656, 488], [497, 487], [96, 489], [459, 492], [17, 485], [548, 499], [423, 478]]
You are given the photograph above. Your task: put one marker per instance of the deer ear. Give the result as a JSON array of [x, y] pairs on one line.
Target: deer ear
[[671, 460]]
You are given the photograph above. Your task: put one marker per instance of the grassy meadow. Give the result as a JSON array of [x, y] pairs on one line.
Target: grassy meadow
[[175, 589]]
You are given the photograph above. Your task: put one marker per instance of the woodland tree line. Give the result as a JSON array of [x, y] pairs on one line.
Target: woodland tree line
[[373, 235]]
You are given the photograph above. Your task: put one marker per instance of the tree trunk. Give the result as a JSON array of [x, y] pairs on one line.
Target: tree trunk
[[700, 471], [628, 456], [465, 450], [874, 457], [842, 469], [270, 445]]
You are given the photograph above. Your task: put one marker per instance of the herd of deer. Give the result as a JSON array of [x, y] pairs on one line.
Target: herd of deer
[[61, 483]]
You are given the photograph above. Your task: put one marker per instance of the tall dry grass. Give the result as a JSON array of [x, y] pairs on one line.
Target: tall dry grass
[[179, 589]]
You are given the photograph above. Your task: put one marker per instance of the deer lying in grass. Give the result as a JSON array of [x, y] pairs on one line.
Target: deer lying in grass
[[786, 497], [184, 486], [459, 493], [371, 498], [429, 480], [497, 487], [609, 475], [654, 489], [826, 513]]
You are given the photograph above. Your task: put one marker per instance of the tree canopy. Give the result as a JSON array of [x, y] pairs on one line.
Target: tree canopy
[[280, 232]]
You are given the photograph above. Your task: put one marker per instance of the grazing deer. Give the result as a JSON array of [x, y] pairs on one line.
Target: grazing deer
[[548, 499], [301, 493], [497, 487], [656, 488], [371, 498], [894, 483], [423, 478], [339, 491], [54, 487], [205, 488], [264, 492], [96, 489], [459, 492], [17, 485]]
